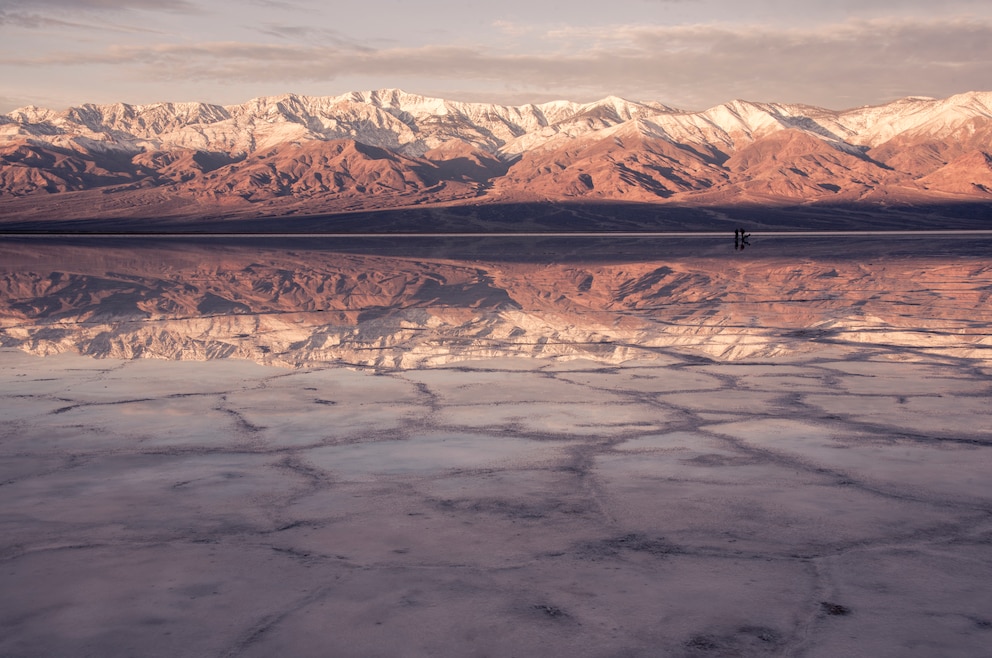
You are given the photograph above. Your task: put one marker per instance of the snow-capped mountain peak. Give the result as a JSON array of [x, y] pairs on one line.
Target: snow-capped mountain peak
[[391, 142], [412, 123]]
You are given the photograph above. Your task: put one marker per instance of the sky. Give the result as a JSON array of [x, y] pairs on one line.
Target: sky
[[691, 54]]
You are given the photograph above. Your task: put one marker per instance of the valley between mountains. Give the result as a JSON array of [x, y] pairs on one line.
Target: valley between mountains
[[387, 149]]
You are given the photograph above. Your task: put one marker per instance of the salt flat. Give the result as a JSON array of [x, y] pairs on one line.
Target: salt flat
[[821, 489], [227, 508]]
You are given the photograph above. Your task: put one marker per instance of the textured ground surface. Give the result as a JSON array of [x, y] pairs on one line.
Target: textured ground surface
[[832, 506], [834, 501]]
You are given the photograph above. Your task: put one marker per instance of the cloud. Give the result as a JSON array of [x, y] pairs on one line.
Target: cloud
[[98, 5], [37, 14], [35, 22], [282, 5], [851, 63], [513, 29], [298, 33]]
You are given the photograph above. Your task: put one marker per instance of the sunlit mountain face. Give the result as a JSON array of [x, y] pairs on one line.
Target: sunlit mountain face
[[289, 154], [416, 302]]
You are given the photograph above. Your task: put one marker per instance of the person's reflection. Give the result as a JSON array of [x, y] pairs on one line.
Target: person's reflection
[[740, 239]]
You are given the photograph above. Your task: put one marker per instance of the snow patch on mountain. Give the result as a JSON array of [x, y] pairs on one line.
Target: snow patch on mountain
[[380, 147], [412, 124]]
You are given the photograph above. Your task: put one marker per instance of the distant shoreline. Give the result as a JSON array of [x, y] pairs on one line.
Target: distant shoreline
[[532, 234]]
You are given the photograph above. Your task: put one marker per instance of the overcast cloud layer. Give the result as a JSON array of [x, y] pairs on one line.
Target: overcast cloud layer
[[686, 53]]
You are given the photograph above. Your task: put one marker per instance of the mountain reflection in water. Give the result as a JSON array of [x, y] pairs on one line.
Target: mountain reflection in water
[[407, 303]]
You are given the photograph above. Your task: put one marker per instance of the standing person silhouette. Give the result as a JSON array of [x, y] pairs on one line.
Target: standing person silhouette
[[743, 239]]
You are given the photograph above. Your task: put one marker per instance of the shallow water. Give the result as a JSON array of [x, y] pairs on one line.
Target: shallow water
[[418, 302], [582, 448]]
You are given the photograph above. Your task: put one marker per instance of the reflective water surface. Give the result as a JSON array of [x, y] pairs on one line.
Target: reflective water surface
[[412, 302]]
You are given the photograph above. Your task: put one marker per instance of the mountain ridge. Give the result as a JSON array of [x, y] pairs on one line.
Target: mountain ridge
[[271, 150]]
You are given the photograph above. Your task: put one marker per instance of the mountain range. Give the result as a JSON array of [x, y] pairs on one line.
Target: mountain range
[[388, 148]]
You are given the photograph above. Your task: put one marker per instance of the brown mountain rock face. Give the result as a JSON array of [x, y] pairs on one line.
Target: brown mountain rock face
[[920, 154], [345, 170], [388, 149], [456, 160], [632, 167], [27, 168], [969, 174], [179, 165], [792, 164], [315, 168]]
